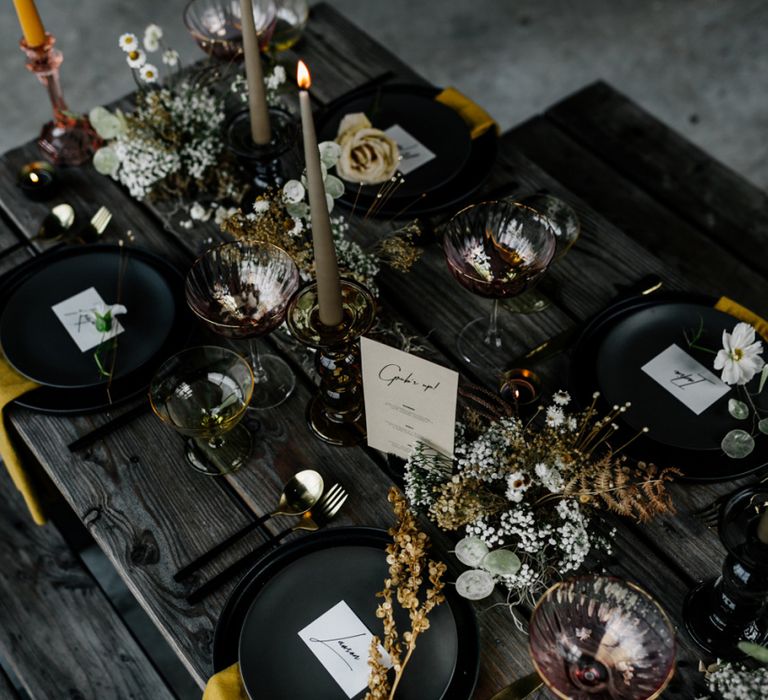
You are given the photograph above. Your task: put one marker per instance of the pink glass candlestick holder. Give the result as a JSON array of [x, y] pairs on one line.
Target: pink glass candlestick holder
[[68, 139]]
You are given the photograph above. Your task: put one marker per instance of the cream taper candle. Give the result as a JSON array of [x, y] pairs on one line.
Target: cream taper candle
[[326, 267], [257, 97]]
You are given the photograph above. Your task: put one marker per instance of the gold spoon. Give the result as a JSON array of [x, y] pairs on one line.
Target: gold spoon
[[56, 223], [299, 496]]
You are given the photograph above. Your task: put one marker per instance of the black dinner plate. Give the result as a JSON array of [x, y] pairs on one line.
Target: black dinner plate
[[441, 181], [58, 400], [608, 358], [295, 584]]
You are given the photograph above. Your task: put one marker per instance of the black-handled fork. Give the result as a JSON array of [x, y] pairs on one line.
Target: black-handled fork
[[325, 511]]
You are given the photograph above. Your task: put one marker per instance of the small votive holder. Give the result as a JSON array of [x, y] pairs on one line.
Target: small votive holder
[[520, 387], [38, 180], [263, 162], [336, 414]]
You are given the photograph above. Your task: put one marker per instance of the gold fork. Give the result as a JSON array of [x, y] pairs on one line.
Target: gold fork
[[326, 510]]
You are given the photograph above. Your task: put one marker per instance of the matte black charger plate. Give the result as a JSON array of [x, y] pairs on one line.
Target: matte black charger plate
[[444, 185], [608, 358], [298, 582], [58, 400]]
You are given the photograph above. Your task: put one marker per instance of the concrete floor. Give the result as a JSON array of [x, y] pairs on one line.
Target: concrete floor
[[699, 65]]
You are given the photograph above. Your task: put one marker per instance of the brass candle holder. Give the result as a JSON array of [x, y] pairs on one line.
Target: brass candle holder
[[336, 413], [68, 139]]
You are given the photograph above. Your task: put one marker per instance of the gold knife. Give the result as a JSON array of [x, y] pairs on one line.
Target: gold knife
[[556, 344], [521, 688]]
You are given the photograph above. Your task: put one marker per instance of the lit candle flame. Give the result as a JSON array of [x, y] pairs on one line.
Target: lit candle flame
[[302, 76], [34, 177]]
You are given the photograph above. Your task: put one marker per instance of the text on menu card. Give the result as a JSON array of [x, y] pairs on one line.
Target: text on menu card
[[407, 399]]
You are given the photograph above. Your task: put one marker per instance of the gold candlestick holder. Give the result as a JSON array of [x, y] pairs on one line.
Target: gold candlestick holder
[[336, 413], [68, 139]]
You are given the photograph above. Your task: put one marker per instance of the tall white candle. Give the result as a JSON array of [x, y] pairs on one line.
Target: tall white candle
[[326, 267], [257, 98]]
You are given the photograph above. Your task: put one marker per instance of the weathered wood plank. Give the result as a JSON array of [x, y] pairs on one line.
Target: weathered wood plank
[[7, 691], [688, 181], [708, 265], [58, 631]]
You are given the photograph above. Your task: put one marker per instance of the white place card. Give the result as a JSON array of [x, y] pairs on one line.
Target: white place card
[[686, 379], [341, 643], [407, 399], [413, 153], [76, 316]]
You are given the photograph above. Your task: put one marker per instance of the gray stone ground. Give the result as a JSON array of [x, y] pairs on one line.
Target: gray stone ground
[[699, 65]]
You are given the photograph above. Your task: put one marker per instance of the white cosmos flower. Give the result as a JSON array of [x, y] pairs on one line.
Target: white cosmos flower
[[136, 59], [171, 57], [128, 42], [740, 357], [148, 73]]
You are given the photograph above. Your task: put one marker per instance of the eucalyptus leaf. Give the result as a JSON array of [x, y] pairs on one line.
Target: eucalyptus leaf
[[762, 426], [738, 409], [756, 651], [501, 562], [475, 584], [738, 444], [471, 550], [763, 379]]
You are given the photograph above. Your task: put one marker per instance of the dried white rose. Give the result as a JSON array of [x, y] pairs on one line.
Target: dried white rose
[[368, 155]]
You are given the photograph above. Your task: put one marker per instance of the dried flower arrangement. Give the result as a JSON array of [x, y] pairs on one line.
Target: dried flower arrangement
[[171, 147], [283, 218], [408, 562], [532, 490]]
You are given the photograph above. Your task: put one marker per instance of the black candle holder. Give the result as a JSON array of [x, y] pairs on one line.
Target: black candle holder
[[336, 413], [723, 611], [263, 162]]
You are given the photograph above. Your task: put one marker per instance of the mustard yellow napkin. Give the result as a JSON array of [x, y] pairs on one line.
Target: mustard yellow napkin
[[473, 114], [729, 306], [225, 685], [13, 385]]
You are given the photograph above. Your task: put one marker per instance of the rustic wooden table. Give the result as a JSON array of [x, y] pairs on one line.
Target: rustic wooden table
[[649, 202]]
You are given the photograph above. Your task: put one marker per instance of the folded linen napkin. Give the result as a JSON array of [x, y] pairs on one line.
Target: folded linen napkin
[[733, 308], [13, 385], [473, 114], [226, 685]]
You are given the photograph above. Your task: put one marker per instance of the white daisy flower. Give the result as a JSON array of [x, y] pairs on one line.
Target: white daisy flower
[[517, 484], [561, 398], [148, 73], [171, 57], [740, 358], [555, 416], [128, 42], [136, 59]]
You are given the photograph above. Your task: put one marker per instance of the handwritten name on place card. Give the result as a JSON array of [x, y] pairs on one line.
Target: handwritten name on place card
[[341, 643], [75, 315], [407, 399], [685, 378]]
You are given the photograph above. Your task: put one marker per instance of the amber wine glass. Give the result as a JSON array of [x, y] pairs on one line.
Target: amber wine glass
[[496, 249], [601, 638], [203, 393]]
